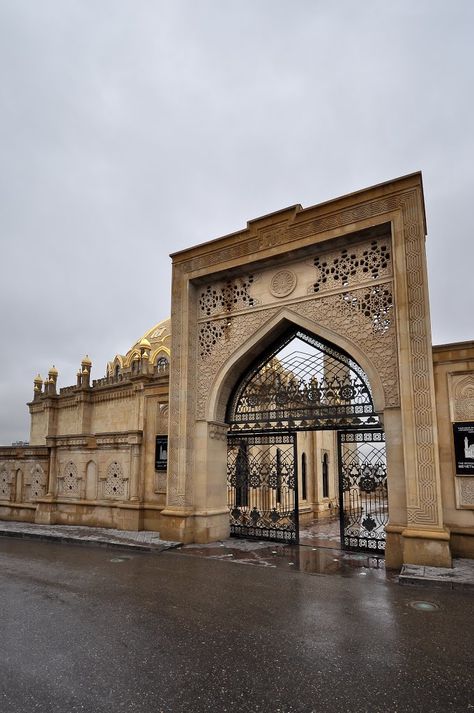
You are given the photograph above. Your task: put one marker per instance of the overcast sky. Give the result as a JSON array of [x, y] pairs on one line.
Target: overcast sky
[[131, 129]]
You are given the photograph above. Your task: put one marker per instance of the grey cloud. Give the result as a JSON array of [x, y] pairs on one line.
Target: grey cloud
[[131, 130]]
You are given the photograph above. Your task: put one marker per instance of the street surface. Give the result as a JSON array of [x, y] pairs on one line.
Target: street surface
[[98, 630]]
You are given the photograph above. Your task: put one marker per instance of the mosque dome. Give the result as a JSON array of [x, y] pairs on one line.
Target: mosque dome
[[156, 340]]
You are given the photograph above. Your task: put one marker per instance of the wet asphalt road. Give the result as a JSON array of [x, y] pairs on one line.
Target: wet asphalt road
[[89, 629]]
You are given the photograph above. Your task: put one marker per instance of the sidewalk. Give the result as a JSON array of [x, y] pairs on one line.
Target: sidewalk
[[143, 540], [311, 560], [461, 575]]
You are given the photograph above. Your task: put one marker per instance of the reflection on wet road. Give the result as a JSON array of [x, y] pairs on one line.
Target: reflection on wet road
[[302, 558]]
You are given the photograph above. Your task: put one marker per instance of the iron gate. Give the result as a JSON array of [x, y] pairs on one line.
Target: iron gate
[[262, 486], [363, 490]]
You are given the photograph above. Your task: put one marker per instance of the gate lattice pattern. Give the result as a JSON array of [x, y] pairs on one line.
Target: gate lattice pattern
[[303, 389], [363, 490], [262, 487]]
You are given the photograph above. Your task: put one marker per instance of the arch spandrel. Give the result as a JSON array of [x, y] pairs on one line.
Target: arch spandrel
[[256, 343]]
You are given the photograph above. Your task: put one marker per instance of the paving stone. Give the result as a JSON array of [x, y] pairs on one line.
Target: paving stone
[[141, 540], [460, 575]]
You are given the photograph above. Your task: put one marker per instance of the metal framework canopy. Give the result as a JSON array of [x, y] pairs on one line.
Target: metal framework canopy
[[302, 383]]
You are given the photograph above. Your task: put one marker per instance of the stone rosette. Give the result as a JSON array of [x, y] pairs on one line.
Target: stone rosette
[[283, 283]]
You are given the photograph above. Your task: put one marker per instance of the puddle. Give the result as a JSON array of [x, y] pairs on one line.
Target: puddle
[[310, 560]]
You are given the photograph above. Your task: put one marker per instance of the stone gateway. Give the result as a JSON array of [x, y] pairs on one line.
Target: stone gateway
[[295, 381]]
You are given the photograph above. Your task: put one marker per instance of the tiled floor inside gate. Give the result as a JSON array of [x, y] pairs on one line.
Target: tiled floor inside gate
[[321, 533], [319, 552]]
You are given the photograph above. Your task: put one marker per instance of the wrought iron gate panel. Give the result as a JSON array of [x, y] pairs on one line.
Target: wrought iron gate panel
[[363, 490], [293, 388], [262, 486]]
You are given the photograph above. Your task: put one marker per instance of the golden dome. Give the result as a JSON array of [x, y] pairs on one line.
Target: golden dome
[[86, 361], [53, 371], [38, 379], [156, 340]]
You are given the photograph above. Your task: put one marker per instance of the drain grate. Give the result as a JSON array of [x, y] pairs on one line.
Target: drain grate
[[424, 606]]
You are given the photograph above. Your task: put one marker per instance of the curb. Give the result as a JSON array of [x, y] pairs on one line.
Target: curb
[[441, 577], [64, 539]]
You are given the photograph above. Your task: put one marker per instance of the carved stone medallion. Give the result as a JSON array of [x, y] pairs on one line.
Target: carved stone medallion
[[283, 283]]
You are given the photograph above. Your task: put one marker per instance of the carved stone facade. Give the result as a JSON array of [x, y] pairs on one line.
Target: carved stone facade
[[354, 268], [351, 272], [92, 459]]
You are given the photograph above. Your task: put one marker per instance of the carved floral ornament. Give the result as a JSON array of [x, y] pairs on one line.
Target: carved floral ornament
[[463, 399], [466, 492], [283, 283], [333, 270]]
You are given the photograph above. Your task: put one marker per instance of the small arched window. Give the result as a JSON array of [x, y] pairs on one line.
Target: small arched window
[[162, 364], [304, 482], [325, 475], [117, 370]]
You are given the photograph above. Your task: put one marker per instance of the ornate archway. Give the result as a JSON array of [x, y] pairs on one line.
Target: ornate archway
[[304, 383], [355, 267]]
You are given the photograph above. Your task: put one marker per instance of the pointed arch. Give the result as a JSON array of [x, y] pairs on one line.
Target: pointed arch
[[271, 332]]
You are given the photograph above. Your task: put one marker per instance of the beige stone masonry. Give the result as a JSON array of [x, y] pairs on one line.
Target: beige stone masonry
[[277, 272]]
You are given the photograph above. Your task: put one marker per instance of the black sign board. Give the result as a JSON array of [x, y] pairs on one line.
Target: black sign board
[[161, 453], [464, 447]]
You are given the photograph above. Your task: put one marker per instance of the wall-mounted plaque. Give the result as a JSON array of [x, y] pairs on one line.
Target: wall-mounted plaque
[[161, 453], [464, 447]]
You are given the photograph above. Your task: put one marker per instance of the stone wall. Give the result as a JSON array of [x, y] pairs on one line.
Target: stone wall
[[454, 384], [92, 458]]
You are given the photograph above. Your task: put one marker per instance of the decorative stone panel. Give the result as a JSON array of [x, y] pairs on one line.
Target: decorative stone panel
[[36, 483], [463, 397], [115, 485], [69, 483], [364, 316], [6, 477], [225, 297], [352, 266], [466, 492]]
